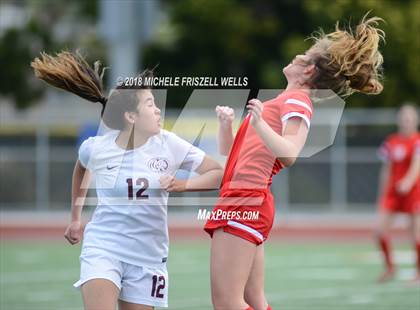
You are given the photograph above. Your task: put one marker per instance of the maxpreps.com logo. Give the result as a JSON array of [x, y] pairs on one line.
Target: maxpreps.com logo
[[158, 164]]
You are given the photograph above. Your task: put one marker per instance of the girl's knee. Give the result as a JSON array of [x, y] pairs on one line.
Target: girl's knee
[[255, 297], [228, 302], [223, 298]]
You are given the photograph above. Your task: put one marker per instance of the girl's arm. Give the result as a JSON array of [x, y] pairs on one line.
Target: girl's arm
[[383, 178], [285, 147], [210, 176], [80, 182], [411, 177], [225, 138]]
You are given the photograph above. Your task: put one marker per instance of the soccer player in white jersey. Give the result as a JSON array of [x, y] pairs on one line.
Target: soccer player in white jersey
[[125, 245]]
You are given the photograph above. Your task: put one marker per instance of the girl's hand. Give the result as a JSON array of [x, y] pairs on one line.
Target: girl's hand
[[403, 186], [170, 184], [73, 232], [225, 115], [255, 107]]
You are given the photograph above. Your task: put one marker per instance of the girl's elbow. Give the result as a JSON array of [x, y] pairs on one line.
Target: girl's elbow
[[290, 158], [288, 162], [219, 172]]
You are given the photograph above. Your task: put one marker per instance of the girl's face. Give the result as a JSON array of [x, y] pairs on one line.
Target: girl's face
[[147, 118], [299, 70], [407, 119]]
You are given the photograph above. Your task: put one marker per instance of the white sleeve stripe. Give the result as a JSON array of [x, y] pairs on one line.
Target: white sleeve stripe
[[294, 114], [299, 103]]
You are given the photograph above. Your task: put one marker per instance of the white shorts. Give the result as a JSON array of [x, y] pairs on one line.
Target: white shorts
[[137, 284]]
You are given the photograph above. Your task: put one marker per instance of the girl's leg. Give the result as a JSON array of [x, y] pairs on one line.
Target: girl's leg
[[123, 305], [384, 225], [230, 265], [254, 289], [100, 294]]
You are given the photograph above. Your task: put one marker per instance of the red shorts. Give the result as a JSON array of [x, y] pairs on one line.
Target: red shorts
[[245, 213], [394, 202]]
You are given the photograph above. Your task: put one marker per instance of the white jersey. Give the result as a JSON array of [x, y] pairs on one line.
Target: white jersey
[[130, 219]]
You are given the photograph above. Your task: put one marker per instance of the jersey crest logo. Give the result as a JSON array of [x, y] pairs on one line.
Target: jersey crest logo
[[158, 164]]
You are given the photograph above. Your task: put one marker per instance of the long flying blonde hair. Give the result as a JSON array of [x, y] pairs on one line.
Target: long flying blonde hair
[[349, 61]]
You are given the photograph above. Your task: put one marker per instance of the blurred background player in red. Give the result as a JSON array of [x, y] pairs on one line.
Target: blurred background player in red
[[269, 139], [400, 185]]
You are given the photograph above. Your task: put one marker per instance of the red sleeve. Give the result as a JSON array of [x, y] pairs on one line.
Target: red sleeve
[[297, 105]]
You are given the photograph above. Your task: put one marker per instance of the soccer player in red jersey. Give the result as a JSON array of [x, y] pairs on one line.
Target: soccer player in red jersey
[[269, 139], [400, 185]]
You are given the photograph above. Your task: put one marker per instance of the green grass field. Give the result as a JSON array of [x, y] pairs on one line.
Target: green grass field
[[39, 275]]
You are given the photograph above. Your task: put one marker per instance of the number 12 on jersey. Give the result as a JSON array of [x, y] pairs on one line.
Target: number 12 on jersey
[[158, 285], [143, 182]]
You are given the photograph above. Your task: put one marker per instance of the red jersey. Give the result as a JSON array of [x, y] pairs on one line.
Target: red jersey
[[249, 170], [398, 151], [251, 164]]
